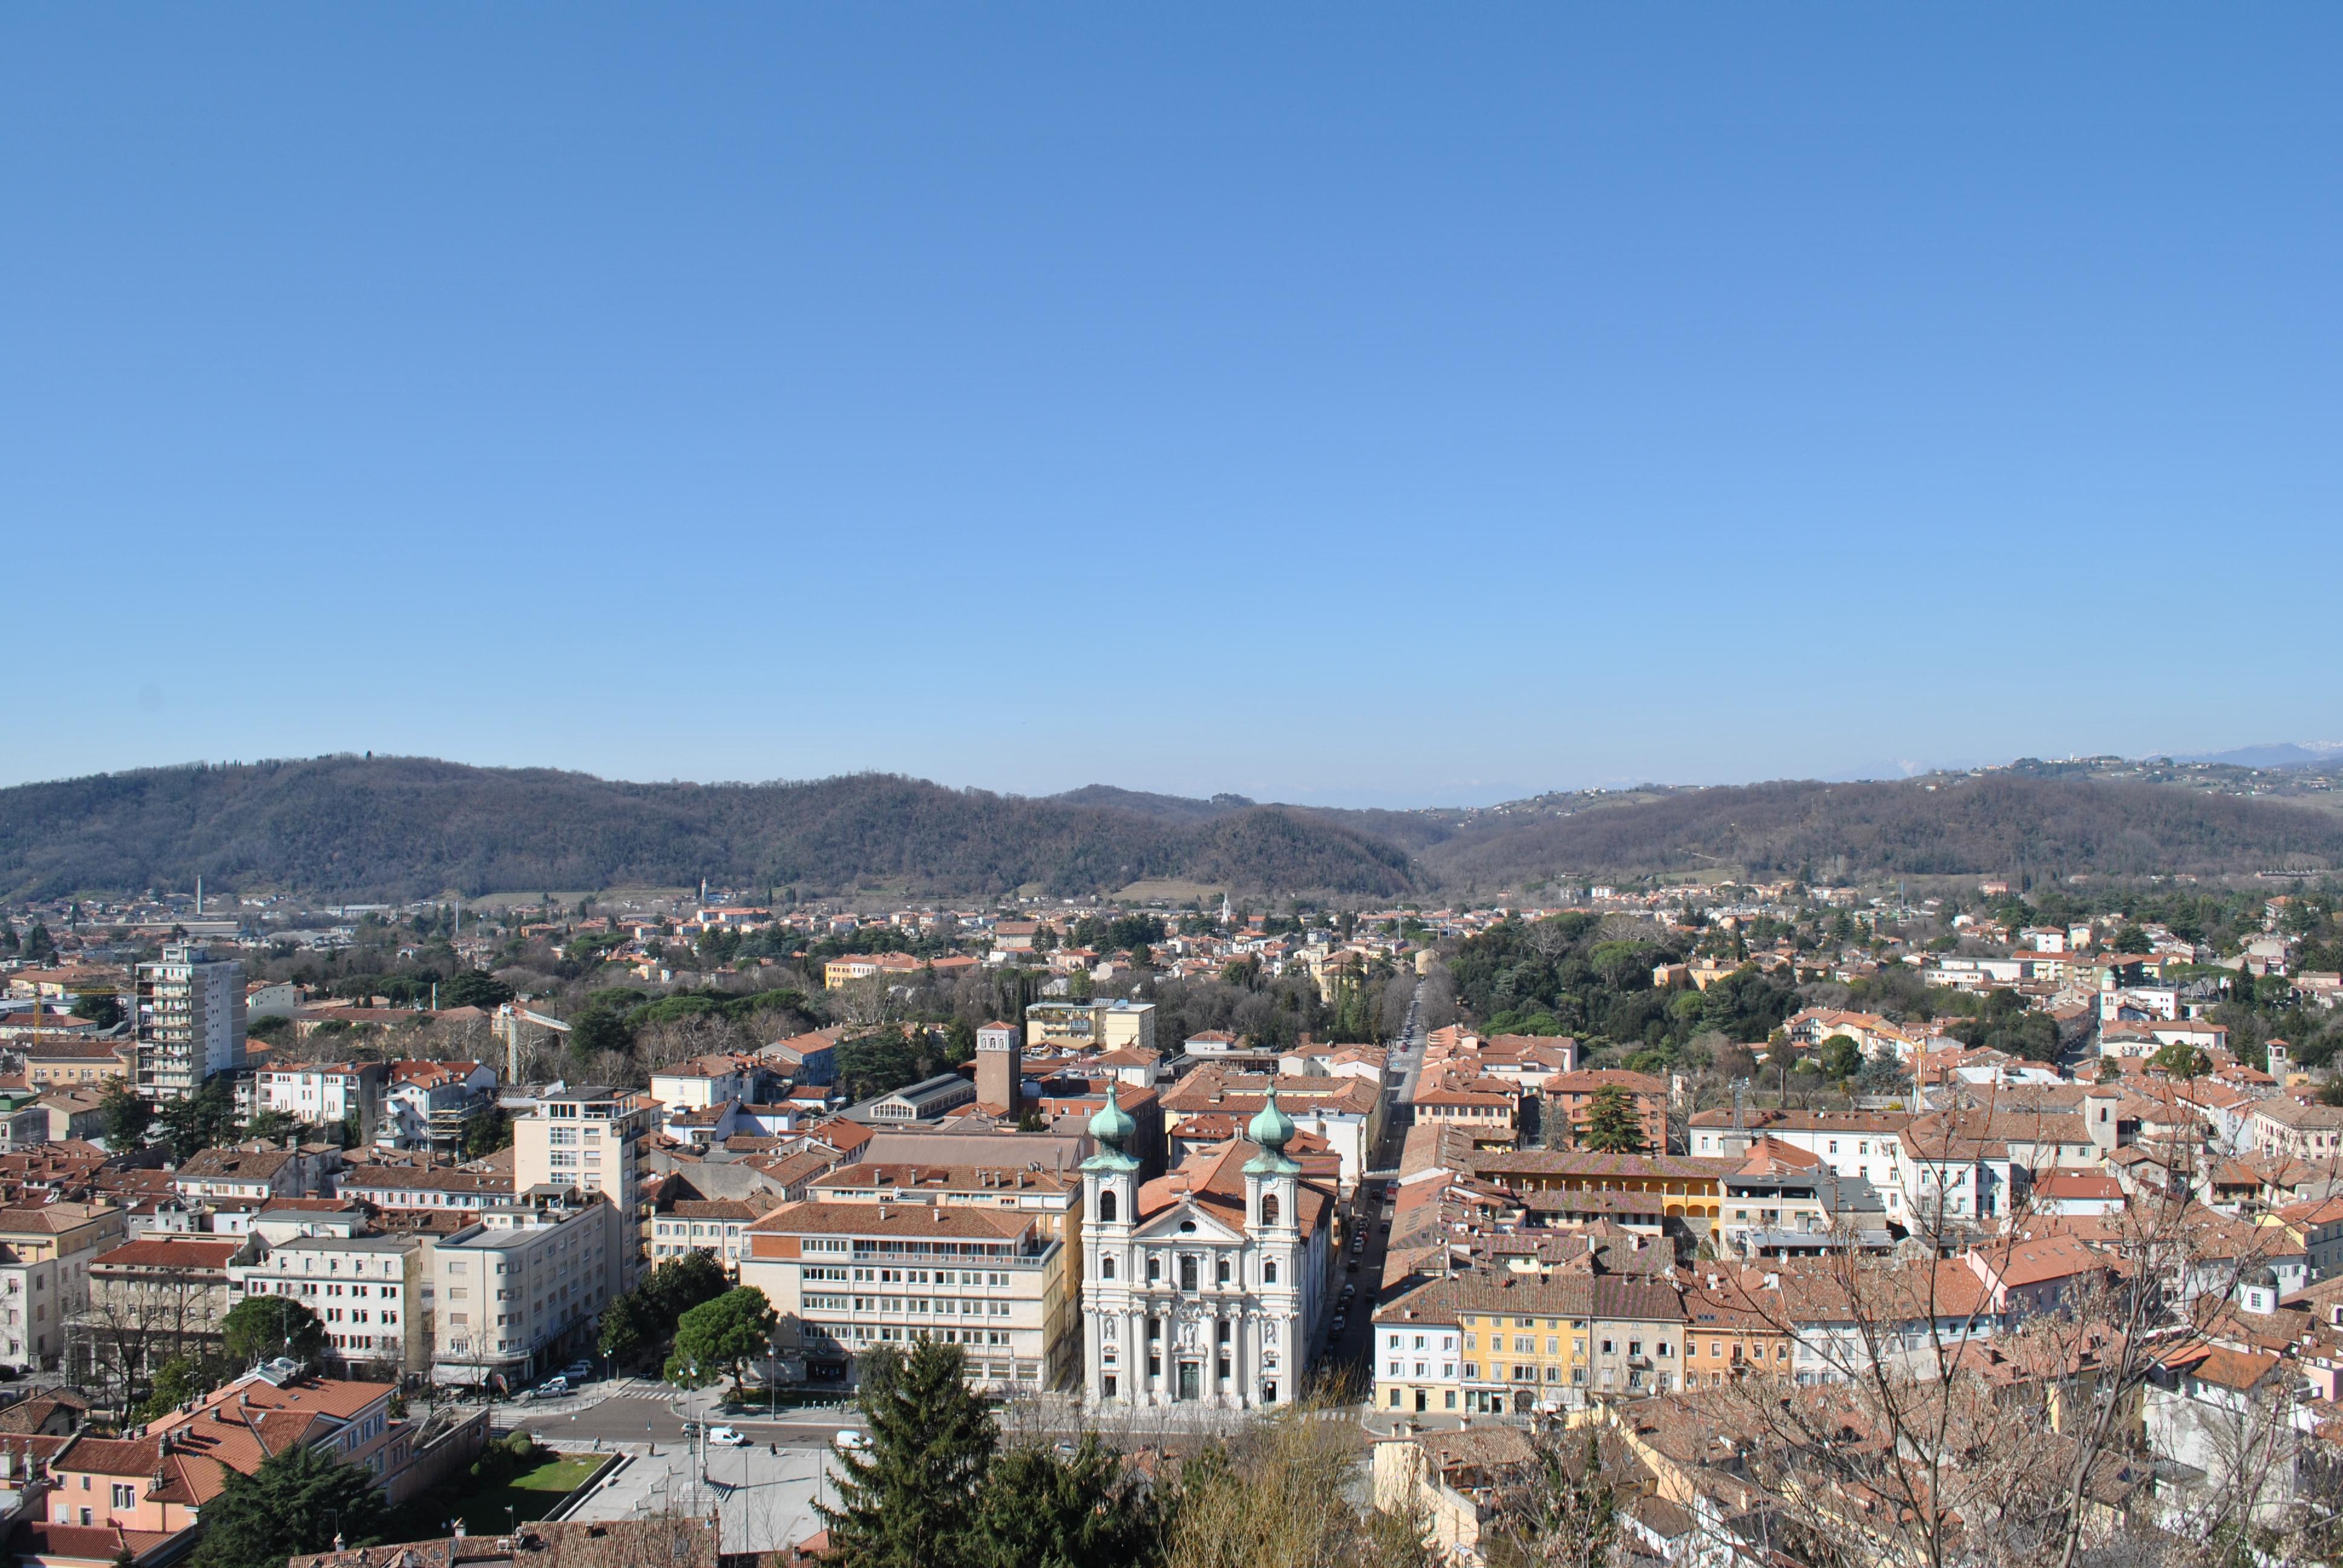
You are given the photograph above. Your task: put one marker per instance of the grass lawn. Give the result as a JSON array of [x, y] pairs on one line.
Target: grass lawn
[[532, 1493]]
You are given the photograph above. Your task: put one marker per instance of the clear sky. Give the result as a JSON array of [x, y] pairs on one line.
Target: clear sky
[[1351, 404]]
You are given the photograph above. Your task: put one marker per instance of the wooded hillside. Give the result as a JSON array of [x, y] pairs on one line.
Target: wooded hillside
[[412, 828]]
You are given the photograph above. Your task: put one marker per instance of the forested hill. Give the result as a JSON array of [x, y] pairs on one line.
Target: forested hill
[[1949, 825], [412, 828]]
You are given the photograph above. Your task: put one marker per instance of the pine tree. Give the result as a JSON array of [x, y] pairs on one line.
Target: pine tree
[[1039, 1511], [1613, 1127], [297, 1501], [910, 1501]]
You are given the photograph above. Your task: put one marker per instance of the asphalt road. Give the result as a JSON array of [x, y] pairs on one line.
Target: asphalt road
[[637, 1417]]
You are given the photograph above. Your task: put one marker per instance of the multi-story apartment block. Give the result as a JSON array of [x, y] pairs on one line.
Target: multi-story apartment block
[[426, 1104], [44, 1258], [1569, 1100], [691, 1223], [367, 1290], [1553, 1341], [2291, 1129], [189, 1018], [442, 1187], [864, 1267], [591, 1138], [1091, 1025], [517, 1294], [320, 1094], [151, 1300]]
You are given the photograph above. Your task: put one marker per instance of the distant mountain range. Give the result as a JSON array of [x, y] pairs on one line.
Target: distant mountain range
[[414, 828], [2276, 754]]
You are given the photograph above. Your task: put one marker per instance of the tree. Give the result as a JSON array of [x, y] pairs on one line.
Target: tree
[[297, 1501], [39, 946], [1612, 1124], [128, 1116], [100, 1007], [735, 1328], [1036, 1510], [486, 1133], [1560, 1512], [475, 988], [194, 1123], [910, 1501], [679, 1284], [1841, 1058], [261, 1327], [2180, 1060], [176, 1382], [626, 1330], [270, 1125]]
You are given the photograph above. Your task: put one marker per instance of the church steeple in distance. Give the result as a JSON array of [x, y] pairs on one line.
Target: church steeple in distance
[[1272, 1129]]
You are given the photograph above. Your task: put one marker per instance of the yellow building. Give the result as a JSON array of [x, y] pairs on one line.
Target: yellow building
[[1690, 1186], [1524, 1341]]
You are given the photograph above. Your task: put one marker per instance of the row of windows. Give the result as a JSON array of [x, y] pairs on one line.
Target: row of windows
[[1223, 1270]]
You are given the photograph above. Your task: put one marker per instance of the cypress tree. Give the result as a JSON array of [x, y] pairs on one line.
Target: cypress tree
[[1612, 1125], [910, 1501]]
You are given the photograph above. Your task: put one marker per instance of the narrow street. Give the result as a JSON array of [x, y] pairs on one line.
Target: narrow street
[[1359, 1273]]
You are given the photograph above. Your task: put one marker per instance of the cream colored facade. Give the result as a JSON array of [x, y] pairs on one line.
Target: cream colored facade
[[516, 1295], [994, 1276], [367, 1290], [1091, 1025], [44, 1255], [591, 1139]]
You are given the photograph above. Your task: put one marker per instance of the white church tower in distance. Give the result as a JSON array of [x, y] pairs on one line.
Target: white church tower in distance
[[1206, 1286]]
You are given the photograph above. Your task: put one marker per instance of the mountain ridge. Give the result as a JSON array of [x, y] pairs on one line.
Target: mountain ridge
[[418, 827]]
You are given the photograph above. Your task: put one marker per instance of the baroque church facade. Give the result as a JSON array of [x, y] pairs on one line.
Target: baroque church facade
[[1209, 1285]]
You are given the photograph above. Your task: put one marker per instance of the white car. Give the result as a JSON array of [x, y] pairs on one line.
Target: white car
[[852, 1439], [726, 1437]]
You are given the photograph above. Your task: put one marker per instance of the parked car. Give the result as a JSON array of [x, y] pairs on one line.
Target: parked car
[[553, 1387], [1339, 1322], [579, 1372], [726, 1437], [852, 1439]]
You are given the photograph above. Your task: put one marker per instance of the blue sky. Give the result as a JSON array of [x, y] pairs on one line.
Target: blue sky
[[1402, 405]]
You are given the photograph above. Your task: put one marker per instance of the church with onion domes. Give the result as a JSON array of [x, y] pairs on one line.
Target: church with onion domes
[[1209, 1285]]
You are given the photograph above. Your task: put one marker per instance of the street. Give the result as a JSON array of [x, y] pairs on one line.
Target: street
[[1361, 1273]]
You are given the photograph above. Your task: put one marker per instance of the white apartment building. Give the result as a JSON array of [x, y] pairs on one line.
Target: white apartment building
[[517, 1294], [591, 1138], [318, 1094], [705, 1082], [1853, 1143], [427, 1103], [367, 1290], [189, 1020]]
